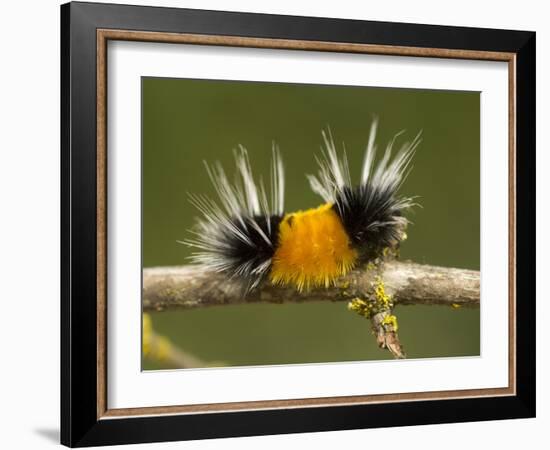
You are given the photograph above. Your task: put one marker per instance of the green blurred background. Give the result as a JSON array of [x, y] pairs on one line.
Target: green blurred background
[[187, 121]]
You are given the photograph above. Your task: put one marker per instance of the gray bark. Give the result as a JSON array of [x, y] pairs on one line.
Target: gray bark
[[409, 283]]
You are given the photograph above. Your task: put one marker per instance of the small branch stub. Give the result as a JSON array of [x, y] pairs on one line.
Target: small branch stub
[[378, 307], [384, 325]]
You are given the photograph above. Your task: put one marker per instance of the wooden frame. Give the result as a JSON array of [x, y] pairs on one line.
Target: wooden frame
[[86, 418]]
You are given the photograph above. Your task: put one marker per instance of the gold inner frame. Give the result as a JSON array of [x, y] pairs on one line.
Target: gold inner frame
[[104, 35]]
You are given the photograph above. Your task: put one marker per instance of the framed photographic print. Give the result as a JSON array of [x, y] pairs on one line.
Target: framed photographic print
[[276, 224]]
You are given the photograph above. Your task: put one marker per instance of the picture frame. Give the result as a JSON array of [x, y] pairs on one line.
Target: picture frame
[[86, 30]]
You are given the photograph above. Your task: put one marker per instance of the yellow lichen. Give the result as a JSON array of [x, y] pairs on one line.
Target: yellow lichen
[[371, 266], [390, 320], [382, 298], [361, 307], [356, 304], [380, 301]]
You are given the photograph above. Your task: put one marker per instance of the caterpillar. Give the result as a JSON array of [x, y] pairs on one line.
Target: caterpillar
[[249, 237]]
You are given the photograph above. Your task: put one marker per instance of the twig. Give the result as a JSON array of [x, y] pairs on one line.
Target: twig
[[174, 356], [386, 335], [408, 283], [373, 291], [160, 348]]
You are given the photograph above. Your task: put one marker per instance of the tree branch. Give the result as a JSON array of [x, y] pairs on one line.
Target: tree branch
[[407, 282]]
